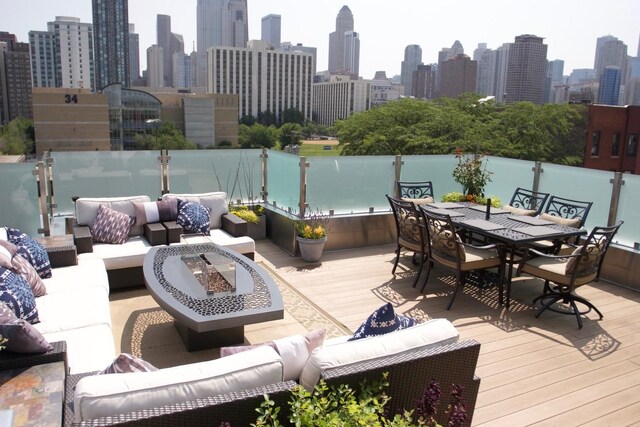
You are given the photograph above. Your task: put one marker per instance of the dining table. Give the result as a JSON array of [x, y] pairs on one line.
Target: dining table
[[512, 232]]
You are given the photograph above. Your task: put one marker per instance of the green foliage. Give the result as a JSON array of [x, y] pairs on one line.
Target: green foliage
[[290, 134], [292, 115], [166, 137], [471, 172], [17, 137], [267, 118], [456, 196], [258, 136], [245, 213], [550, 133], [248, 120]]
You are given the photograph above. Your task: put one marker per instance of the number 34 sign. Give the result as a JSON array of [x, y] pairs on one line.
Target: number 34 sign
[[71, 99]]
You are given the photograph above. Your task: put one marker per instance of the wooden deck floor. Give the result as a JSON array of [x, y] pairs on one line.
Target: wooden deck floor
[[542, 371]]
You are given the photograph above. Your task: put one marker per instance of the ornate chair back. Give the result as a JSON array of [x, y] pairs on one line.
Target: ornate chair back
[[443, 241], [569, 209], [408, 224], [415, 189], [527, 199]]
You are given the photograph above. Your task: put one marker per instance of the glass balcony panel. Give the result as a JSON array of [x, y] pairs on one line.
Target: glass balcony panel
[[104, 174], [437, 169], [349, 184], [20, 206], [236, 172], [507, 175], [580, 184], [629, 211], [283, 180]]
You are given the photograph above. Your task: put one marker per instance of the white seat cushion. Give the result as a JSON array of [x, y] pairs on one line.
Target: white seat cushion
[[242, 244], [129, 254], [87, 209], [89, 349], [432, 333], [111, 394], [89, 273], [70, 310]]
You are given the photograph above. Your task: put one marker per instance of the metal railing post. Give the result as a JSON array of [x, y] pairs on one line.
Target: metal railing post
[[617, 182], [303, 186], [264, 194], [41, 182], [398, 170], [164, 158], [537, 170]]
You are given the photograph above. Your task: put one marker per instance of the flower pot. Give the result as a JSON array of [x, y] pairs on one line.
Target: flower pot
[[258, 231], [311, 249]]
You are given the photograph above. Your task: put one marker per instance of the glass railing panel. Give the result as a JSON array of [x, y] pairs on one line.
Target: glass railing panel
[[629, 211], [283, 180], [236, 172], [104, 174], [349, 184], [20, 206], [437, 169], [507, 175], [580, 184]]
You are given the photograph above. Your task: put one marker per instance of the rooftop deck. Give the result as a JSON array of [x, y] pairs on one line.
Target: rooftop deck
[[534, 371]]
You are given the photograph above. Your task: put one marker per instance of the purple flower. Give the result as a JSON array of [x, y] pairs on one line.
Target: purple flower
[[457, 411], [427, 405]]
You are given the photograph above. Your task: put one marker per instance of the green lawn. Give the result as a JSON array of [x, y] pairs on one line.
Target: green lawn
[[309, 150]]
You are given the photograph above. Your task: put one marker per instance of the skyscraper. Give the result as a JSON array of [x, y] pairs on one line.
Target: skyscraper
[[555, 71], [609, 90], [134, 54], [412, 58], [352, 53], [271, 30], [15, 79], [424, 81], [171, 44], [67, 50], [609, 51], [344, 23], [111, 42], [526, 70], [155, 66], [458, 76]]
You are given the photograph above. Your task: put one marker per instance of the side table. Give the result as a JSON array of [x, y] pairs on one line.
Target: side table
[[35, 394], [61, 249]]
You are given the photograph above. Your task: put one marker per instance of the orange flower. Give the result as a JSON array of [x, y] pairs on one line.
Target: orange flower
[[470, 197]]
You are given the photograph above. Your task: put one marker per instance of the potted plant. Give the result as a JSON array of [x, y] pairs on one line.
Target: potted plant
[[311, 235], [255, 217], [471, 172]]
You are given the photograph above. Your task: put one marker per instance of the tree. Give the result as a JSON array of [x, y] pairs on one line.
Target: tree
[[292, 115], [257, 136], [165, 137], [17, 137], [267, 118], [290, 134], [248, 120]]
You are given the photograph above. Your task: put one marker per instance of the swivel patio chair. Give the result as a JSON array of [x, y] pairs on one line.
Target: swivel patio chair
[[564, 274], [410, 233], [446, 248], [416, 191], [527, 202], [572, 213]]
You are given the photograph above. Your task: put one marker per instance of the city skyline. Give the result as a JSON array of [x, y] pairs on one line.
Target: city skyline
[[570, 29]]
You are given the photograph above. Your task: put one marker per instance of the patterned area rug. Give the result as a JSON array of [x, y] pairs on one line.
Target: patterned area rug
[[149, 332]]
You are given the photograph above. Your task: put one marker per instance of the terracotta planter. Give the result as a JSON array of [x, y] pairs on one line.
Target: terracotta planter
[[311, 249]]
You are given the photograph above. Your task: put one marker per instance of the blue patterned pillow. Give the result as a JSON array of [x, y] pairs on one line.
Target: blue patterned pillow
[[193, 217], [16, 293], [31, 250], [382, 321]]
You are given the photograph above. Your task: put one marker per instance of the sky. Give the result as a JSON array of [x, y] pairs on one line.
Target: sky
[[570, 27]]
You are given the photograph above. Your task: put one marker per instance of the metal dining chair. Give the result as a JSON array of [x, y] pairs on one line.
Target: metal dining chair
[[563, 274], [530, 202], [409, 233], [447, 249], [415, 189]]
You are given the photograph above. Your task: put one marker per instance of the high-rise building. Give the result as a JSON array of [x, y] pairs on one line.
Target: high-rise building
[[554, 80], [609, 90], [424, 81], [134, 54], [412, 58], [352, 53], [344, 23], [264, 79], [171, 44], [62, 56], [182, 71], [501, 67], [111, 42], [458, 76], [485, 79], [155, 66], [339, 98], [456, 49], [609, 51], [15, 79], [271, 30], [477, 53], [526, 70]]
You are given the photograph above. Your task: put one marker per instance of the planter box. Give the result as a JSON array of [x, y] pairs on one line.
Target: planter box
[[258, 231]]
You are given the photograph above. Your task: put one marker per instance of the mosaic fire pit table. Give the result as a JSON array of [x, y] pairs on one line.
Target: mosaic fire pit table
[[211, 292]]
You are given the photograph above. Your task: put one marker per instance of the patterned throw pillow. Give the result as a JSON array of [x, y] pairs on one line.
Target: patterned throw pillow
[[26, 270], [21, 336], [160, 211], [17, 295], [382, 321], [193, 217], [31, 250], [126, 362], [5, 255], [111, 226]]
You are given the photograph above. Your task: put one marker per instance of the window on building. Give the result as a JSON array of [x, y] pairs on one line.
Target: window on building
[[615, 144], [595, 143], [632, 142]]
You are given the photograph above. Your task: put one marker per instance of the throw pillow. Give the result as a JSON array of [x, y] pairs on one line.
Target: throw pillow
[[519, 211], [3, 233], [21, 336], [31, 250], [193, 217], [382, 321], [228, 351], [26, 270], [569, 222], [422, 201], [160, 211], [5, 256], [126, 362], [111, 226], [17, 295]]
